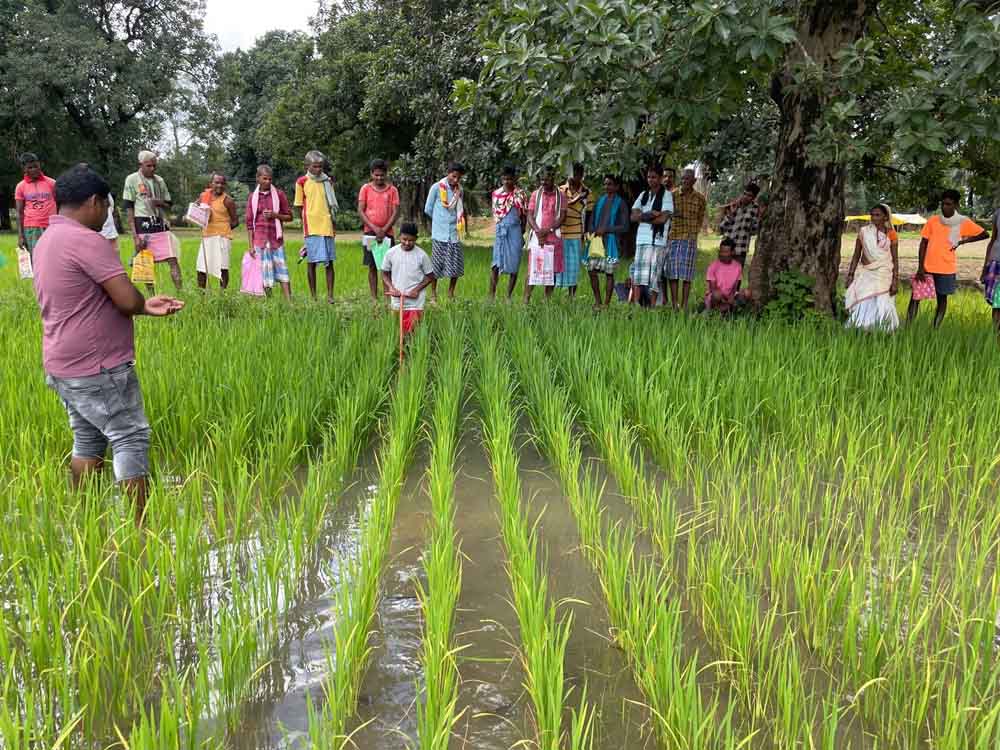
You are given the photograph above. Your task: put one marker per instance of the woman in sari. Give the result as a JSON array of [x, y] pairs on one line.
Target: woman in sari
[[509, 205], [873, 276]]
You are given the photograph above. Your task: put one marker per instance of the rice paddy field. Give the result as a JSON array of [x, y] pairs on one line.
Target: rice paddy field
[[548, 528]]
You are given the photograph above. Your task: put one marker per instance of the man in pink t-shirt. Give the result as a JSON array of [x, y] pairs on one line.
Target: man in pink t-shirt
[[723, 281], [35, 198], [378, 204], [88, 350]]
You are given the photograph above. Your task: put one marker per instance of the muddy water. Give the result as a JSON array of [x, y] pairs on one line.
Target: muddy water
[[493, 705], [277, 717], [592, 661], [494, 708], [387, 711]]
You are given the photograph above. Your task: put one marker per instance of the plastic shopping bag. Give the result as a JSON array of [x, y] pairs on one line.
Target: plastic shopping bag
[[24, 263], [541, 264], [198, 213], [923, 289], [378, 251], [143, 268], [252, 275], [596, 249]]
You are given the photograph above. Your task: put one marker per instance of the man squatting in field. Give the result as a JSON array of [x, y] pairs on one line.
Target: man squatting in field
[[88, 343]]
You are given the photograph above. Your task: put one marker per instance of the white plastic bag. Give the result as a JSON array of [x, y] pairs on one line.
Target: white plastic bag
[[24, 263], [541, 264]]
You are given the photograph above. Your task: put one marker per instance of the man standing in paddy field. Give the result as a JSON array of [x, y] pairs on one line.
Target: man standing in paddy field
[[317, 204], [446, 210], [217, 236], [682, 244], [88, 341], [35, 200], [577, 199], [267, 210], [740, 221], [146, 200], [941, 237], [378, 204]]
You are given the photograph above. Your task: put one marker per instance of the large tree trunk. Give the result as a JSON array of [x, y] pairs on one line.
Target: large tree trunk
[[805, 214], [5, 205]]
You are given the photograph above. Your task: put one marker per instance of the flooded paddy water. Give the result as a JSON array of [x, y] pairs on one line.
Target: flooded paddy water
[[493, 707], [834, 586]]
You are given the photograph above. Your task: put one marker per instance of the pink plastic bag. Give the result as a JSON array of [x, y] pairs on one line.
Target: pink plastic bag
[[922, 289], [252, 277]]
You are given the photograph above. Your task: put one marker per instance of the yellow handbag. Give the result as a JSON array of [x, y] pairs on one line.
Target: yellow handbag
[[596, 248]]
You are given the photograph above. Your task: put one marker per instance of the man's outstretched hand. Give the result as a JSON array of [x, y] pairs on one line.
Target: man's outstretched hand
[[162, 305]]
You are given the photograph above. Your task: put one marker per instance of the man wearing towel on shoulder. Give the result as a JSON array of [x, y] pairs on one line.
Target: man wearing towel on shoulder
[[941, 237], [146, 200]]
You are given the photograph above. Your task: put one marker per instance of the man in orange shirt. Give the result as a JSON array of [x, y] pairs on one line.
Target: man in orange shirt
[[941, 237]]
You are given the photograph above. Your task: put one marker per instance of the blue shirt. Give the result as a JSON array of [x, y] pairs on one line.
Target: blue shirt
[[444, 220], [645, 234]]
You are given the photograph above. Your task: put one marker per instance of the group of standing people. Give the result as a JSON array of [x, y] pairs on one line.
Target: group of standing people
[[563, 226], [568, 225], [87, 300]]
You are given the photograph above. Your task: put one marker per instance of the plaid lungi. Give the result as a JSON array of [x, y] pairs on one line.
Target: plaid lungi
[[680, 260], [447, 259], [571, 263], [647, 264]]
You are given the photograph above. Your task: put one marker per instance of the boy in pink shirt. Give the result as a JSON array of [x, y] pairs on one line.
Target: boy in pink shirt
[[723, 280], [35, 198]]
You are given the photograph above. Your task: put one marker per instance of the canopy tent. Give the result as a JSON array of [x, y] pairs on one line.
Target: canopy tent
[[897, 219]]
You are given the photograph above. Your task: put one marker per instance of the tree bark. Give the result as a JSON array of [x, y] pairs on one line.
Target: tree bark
[[802, 227], [5, 205]]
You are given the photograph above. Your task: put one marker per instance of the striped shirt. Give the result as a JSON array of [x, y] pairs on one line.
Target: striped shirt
[[572, 227]]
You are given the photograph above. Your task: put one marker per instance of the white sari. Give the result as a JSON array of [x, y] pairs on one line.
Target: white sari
[[868, 300]]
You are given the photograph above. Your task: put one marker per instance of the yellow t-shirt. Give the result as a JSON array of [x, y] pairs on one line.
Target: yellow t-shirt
[[310, 196], [940, 257]]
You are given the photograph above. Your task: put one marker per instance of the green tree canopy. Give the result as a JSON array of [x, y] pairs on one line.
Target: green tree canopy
[[878, 85], [87, 80]]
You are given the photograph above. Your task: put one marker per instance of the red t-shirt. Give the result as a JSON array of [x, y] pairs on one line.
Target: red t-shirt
[[82, 330], [39, 200], [379, 205]]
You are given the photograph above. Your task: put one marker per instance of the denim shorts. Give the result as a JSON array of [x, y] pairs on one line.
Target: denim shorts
[[944, 283], [320, 249], [107, 409]]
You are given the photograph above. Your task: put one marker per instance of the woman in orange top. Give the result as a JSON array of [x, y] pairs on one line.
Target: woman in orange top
[[217, 236]]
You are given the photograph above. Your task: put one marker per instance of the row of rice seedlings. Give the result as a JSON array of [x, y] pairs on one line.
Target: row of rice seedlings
[[836, 563], [644, 610], [222, 393], [91, 613], [357, 592], [894, 593], [754, 671], [543, 637], [436, 712], [92, 626], [249, 626], [271, 416]]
